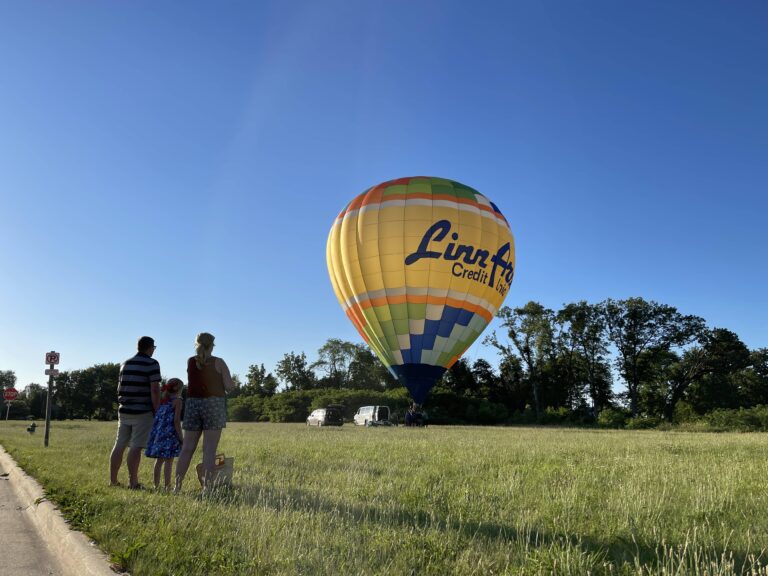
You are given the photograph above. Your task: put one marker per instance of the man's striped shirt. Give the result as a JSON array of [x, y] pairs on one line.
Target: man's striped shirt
[[134, 392]]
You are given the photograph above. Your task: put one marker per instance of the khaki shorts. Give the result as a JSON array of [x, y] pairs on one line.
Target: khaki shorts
[[133, 430]]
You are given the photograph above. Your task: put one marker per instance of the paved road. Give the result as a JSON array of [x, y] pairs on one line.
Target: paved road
[[22, 552]]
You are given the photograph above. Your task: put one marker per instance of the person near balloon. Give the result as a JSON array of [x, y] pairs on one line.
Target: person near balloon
[[413, 416], [409, 416], [165, 438], [205, 410]]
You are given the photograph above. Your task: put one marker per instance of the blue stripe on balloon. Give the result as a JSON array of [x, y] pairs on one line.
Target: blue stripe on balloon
[[450, 313], [428, 342], [447, 321], [431, 327], [417, 345], [464, 317]]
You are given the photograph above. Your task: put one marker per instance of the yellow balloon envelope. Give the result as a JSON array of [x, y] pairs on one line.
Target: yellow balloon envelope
[[420, 266]]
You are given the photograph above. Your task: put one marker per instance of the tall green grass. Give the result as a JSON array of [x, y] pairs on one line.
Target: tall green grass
[[441, 500]]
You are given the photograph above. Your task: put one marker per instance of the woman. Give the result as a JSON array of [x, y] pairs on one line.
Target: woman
[[205, 410]]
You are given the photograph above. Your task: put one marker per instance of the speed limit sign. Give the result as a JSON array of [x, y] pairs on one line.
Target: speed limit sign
[[52, 358]]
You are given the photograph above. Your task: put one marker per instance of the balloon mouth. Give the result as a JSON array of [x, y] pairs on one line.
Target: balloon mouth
[[418, 378]]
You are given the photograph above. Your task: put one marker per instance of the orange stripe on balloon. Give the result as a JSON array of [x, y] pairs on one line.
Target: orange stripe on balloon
[[370, 196], [358, 320]]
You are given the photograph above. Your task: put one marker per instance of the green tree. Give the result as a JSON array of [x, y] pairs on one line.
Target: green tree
[[636, 326], [238, 388], [758, 359], [294, 372], [259, 382], [753, 380], [711, 369], [459, 379], [562, 378], [532, 333], [584, 336], [334, 358], [36, 396], [513, 390], [662, 379], [726, 358], [7, 379], [485, 377], [691, 367], [105, 380], [74, 394], [366, 372]]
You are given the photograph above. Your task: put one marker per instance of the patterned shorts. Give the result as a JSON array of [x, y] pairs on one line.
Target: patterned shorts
[[205, 413]]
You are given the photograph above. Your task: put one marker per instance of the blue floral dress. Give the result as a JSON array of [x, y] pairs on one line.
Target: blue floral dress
[[163, 441]]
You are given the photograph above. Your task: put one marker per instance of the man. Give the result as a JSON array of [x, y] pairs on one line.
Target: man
[[138, 395]]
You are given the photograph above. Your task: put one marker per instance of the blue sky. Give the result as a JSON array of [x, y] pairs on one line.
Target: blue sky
[[168, 168]]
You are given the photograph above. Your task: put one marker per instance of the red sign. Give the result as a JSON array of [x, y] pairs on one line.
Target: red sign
[[9, 394]]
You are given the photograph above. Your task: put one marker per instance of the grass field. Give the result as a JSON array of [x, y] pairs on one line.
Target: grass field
[[442, 500]]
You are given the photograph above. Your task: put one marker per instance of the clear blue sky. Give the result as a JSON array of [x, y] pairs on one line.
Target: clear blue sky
[[168, 168]]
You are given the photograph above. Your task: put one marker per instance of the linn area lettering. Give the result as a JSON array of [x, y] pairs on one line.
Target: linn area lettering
[[470, 262]]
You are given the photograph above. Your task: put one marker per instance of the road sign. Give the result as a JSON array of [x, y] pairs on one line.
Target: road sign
[[10, 394], [51, 358]]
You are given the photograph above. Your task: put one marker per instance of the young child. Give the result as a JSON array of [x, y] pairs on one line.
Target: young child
[[165, 438]]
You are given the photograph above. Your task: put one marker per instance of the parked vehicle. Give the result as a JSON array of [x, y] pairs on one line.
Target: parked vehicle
[[329, 416], [372, 416]]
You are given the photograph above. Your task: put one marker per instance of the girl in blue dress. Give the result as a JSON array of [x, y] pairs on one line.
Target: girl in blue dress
[[165, 438]]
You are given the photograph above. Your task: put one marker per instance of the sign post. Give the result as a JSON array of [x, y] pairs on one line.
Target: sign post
[[51, 358], [9, 395]]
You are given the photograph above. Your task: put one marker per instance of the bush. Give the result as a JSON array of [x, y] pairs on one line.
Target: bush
[[612, 418], [525, 418], [684, 413], [643, 422], [491, 412], [447, 407], [699, 425], [245, 409], [742, 420], [292, 406], [555, 416]]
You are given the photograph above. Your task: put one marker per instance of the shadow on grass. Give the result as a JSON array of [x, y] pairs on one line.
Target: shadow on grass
[[620, 551]]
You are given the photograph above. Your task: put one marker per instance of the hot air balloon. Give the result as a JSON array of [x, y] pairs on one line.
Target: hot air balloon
[[420, 265]]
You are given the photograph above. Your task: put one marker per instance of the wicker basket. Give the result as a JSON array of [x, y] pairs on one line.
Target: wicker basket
[[222, 475]]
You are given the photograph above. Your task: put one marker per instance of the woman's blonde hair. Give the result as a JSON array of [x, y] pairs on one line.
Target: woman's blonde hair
[[203, 349]]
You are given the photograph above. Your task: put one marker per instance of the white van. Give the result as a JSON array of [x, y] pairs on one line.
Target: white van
[[372, 415]]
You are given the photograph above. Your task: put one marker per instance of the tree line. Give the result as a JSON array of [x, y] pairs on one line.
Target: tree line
[[611, 363]]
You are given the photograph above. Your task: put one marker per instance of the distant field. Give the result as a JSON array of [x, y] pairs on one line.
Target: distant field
[[441, 500]]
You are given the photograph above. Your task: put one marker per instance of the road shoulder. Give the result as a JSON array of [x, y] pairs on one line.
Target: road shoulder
[[71, 552]]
